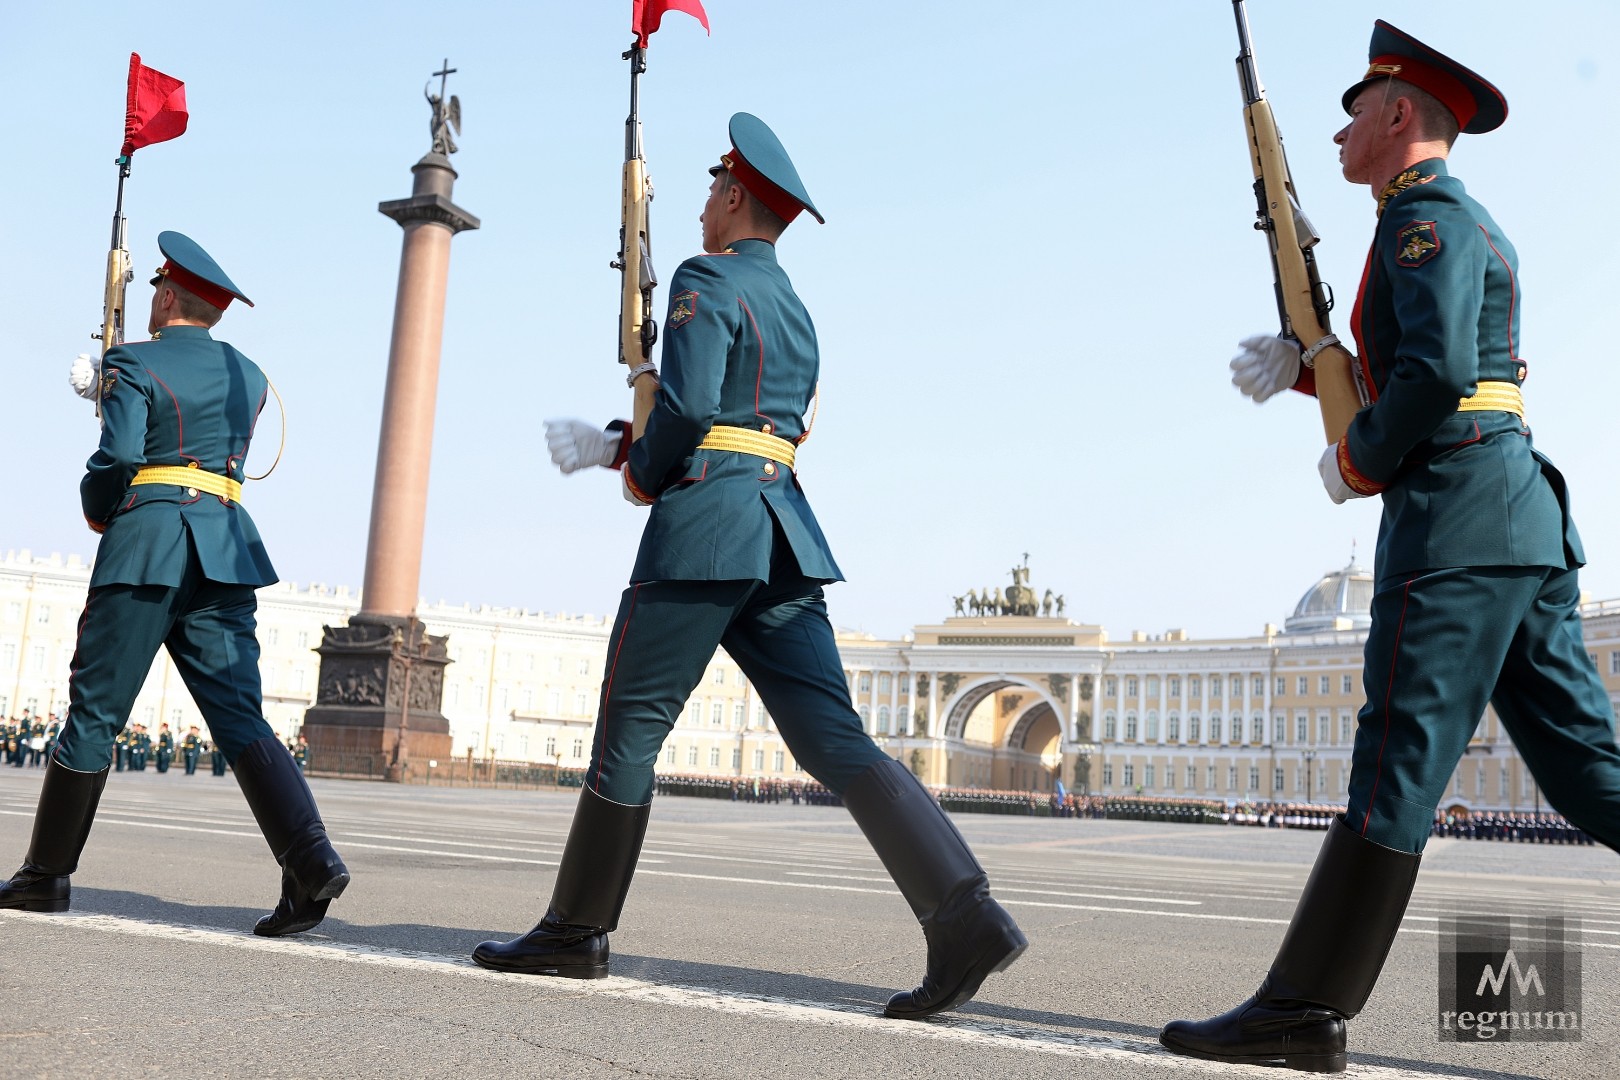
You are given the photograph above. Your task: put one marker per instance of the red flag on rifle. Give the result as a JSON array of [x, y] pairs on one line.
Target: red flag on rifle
[[156, 108], [645, 15]]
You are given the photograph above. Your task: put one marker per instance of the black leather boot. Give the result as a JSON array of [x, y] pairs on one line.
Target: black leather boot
[[969, 935], [1330, 958], [67, 806], [312, 874], [593, 880]]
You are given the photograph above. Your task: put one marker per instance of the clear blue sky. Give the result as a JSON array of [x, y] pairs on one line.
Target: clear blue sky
[[1037, 259]]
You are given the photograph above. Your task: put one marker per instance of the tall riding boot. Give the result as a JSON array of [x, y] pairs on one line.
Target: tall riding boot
[[593, 880], [1329, 960], [312, 874], [67, 806], [970, 936]]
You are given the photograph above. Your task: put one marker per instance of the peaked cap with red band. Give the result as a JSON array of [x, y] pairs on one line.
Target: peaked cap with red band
[[758, 162], [194, 270], [1478, 106]]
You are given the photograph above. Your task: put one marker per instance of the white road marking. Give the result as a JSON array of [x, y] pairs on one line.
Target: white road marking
[[965, 1030]]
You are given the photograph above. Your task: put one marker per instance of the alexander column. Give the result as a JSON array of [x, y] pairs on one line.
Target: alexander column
[[382, 675]]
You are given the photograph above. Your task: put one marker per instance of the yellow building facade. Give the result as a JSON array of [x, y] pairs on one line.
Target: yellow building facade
[[977, 700]]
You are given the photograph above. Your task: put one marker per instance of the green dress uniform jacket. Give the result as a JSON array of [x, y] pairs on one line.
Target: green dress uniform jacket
[[1437, 314], [739, 350], [181, 399]]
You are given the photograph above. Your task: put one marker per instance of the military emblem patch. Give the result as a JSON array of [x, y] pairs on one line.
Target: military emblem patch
[[682, 307], [1417, 243], [108, 380]]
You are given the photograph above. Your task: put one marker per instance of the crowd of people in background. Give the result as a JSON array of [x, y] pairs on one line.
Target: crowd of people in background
[[28, 740]]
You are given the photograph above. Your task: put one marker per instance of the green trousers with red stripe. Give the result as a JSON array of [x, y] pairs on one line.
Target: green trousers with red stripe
[[1443, 643], [778, 633]]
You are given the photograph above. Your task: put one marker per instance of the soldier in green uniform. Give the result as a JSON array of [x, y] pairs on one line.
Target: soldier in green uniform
[[1476, 595], [190, 749], [121, 749], [216, 759], [165, 748], [732, 555], [176, 568], [139, 747]]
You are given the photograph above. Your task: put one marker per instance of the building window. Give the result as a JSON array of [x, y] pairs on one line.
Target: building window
[[717, 716], [523, 747], [736, 758], [905, 682], [1175, 686], [866, 682], [1281, 687], [1254, 778], [691, 755], [669, 755], [1347, 684], [1345, 730], [1194, 686], [1152, 686], [1172, 728], [551, 747], [1323, 728], [1214, 686], [883, 720], [1147, 776], [904, 726], [1192, 728], [719, 678], [1130, 691], [554, 702], [1322, 685], [1192, 777], [739, 715], [759, 760], [1153, 728], [1110, 687], [1130, 729], [1258, 685], [272, 636], [885, 683], [582, 703], [1110, 727], [776, 761], [1614, 662], [578, 749], [1279, 728], [1304, 685], [866, 717], [1215, 728], [1130, 775], [1277, 780], [1231, 778], [1108, 774], [1237, 729], [1302, 728], [714, 756], [1209, 777]]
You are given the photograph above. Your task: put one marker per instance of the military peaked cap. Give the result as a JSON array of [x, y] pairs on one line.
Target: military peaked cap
[[760, 164], [193, 269], [1478, 106]]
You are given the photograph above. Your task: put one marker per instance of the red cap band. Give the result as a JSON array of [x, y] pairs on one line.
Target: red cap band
[[204, 290], [776, 200], [1442, 84]]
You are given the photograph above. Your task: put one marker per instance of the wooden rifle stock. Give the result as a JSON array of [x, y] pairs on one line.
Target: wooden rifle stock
[[1303, 300]]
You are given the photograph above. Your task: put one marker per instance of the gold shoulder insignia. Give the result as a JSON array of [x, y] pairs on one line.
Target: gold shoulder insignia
[[1409, 179]]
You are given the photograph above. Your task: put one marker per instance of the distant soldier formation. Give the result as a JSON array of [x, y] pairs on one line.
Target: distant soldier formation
[[29, 739]]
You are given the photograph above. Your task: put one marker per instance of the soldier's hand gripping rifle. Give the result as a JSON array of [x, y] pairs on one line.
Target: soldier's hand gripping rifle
[[1303, 299], [637, 327]]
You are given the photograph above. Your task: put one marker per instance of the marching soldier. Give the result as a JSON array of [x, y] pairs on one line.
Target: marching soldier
[[216, 759], [139, 747], [121, 749], [191, 749], [732, 555], [177, 566], [1476, 593]]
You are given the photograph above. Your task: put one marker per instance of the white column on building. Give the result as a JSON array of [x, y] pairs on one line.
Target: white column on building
[[933, 692]]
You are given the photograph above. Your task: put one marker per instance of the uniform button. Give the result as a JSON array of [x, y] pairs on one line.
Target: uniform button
[[192, 492], [770, 468], [766, 429], [1521, 373]]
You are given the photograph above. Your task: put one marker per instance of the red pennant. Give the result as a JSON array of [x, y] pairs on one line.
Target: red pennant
[[156, 108], [645, 15]]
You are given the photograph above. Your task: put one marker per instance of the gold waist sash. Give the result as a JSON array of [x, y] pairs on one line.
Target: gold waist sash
[[1495, 397], [188, 477], [748, 441]]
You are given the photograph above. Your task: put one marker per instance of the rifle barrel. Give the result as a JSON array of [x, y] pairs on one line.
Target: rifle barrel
[[1248, 74]]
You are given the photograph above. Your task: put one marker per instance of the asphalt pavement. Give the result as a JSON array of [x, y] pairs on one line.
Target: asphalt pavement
[[759, 941]]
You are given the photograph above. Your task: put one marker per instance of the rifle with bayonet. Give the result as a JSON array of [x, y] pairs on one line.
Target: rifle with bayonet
[[1303, 299], [638, 330]]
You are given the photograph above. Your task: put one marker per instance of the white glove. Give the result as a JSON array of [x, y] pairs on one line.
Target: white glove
[[1267, 366], [1333, 479], [574, 444], [627, 491], [82, 376]]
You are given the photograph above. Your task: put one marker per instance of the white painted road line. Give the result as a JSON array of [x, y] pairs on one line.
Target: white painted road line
[[964, 1030]]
